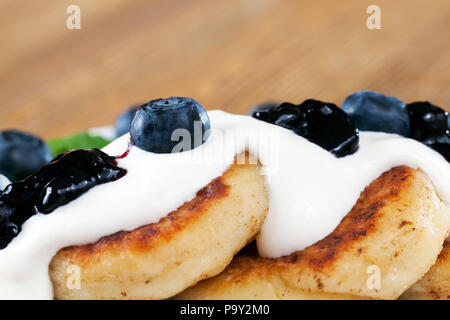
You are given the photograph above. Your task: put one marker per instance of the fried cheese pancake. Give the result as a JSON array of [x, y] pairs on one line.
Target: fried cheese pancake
[[394, 233], [435, 285], [159, 260]]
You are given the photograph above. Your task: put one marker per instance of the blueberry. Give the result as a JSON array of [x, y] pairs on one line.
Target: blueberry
[[154, 124], [321, 123], [427, 121], [21, 154], [262, 107], [123, 122], [372, 111]]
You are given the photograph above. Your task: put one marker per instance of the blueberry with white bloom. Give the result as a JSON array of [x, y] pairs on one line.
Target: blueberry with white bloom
[[21, 154], [155, 125], [123, 122], [372, 111]]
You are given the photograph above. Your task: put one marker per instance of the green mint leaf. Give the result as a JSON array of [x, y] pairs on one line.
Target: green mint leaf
[[81, 140]]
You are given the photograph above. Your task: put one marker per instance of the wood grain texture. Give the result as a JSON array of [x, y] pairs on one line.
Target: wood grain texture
[[225, 54]]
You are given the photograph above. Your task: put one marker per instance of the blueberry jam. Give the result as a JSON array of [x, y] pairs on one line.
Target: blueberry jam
[[63, 180], [431, 126], [321, 123], [262, 107], [442, 148], [427, 121]]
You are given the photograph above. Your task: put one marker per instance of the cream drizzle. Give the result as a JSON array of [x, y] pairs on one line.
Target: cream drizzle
[[310, 192]]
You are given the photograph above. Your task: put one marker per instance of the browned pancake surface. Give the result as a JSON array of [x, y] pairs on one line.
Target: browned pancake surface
[[398, 226], [159, 260]]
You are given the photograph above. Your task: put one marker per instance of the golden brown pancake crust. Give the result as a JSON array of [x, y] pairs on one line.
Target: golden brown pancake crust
[[358, 223], [159, 260], [398, 225], [148, 236]]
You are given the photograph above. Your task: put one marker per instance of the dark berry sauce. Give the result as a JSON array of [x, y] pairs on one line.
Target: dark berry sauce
[[126, 153], [431, 126], [322, 123], [442, 146], [63, 180]]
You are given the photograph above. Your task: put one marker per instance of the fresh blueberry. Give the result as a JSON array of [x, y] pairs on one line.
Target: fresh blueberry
[[21, 154], [262, 107], [321, 123], [427, 121], [372, 111], [123, 122], [170, 125]]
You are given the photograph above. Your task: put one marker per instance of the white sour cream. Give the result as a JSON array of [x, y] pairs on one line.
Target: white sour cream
[[310, 192]]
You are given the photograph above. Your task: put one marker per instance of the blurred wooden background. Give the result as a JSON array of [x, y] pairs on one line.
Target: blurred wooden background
[[225, 54]]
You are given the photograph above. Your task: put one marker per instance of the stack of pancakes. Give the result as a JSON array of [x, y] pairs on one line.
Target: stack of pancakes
[[390, 245]]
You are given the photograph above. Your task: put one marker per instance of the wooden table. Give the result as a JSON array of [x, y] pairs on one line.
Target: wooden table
[[225, 54]]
